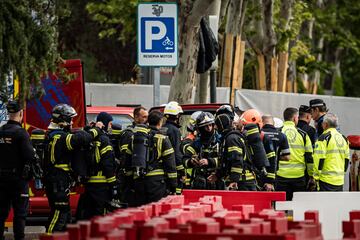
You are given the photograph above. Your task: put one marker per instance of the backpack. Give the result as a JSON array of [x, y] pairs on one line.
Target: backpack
[[142, 152]]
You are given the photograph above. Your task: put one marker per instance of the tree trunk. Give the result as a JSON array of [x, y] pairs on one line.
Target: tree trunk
[[182, 83], [307, 33]]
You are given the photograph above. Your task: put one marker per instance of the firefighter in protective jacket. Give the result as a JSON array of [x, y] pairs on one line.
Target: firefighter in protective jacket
[[101, 186], [60, 153], [203, 154], [153, 162]]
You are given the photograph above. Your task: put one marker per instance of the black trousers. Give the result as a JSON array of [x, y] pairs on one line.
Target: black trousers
[[128, 191], [249, 185], [327, 187], [149, 189], [57, 186], [290, 185], [94, 201], [14, 192]]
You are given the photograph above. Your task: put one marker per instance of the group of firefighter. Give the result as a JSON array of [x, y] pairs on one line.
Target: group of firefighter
[[144, 162]]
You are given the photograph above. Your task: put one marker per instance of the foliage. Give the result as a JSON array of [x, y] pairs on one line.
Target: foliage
[[28, 40], [118, 17]]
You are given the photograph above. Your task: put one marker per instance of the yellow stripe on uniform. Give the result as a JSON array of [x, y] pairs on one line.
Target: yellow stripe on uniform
[[172, 175], [68, 142], [270, 154], [235, 149], [53, 221], [112, 179], [167, 152], [180, 167], [252, 131], [124, 147], [106, 149], [52, 157], [191, 149], [94, 132]]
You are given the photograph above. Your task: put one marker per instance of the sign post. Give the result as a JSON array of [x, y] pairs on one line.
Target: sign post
[[157, 40]]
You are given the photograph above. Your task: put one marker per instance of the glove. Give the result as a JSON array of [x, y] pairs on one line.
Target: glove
[[312, 185], [268, 187]]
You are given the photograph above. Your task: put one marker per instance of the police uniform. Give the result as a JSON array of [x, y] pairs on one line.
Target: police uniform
[[101, 186], [159, 177], [303, 125], [58, 179], [318, 103], [331, 159], [291, 174], [16, 151], [173, 132], [280, 145]]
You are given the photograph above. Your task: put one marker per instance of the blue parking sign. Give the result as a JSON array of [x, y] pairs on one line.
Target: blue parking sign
[[157, 34]]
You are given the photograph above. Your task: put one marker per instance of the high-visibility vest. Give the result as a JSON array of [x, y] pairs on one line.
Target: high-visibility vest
[[299, 144], [331, 157]]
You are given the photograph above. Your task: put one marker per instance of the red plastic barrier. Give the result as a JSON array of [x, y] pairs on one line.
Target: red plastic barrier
[[260, 200], [55, 236]]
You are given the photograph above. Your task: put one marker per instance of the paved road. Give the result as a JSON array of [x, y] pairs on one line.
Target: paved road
[[31, 232]]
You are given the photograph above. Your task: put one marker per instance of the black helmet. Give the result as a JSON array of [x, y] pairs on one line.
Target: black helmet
[[223, 122], [204, 119], [226, 109], [63, 113]]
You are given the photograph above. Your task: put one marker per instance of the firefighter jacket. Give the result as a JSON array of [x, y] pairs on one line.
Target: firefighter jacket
[[62, 144], [271, 157], [331, 157], [173, 132], [209, 151], [300, 153], [280, 145], [124, 158], [162, 159], [235, 162], [104, 161]]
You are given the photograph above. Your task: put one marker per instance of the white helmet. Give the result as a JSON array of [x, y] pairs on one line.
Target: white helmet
[[172, 108], [278, 123]]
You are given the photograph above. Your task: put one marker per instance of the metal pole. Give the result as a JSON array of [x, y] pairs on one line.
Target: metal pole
[[213, 86], [156, 85]]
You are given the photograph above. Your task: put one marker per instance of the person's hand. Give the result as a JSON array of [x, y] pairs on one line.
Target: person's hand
[[312, 185], [195, 161], [212, 178], [99, 125], [232, 186], [268, 187], [203, 162]]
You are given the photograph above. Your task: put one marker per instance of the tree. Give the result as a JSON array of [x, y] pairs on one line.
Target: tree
[[28, 41]]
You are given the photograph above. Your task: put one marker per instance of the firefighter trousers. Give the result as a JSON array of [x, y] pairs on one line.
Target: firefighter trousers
[[57, 186], [94, 201], [149, 189], [14, 192]]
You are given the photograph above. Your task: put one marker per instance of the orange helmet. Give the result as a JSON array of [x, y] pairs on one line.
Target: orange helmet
[[251, 116]]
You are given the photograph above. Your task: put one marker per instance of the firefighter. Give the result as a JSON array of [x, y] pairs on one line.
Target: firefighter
[[318, 111], [262, 149], [202, 155], [153, 162], [125, 173], [17, 154], [172, 112], [290, 176], [187, 141], [60, 152], [331, 156], [101, 186], [235, 163], [304, 123]]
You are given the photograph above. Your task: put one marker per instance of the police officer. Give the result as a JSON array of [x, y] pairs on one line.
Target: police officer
[[280, 144], [235, 164], [101, 186], [331, 156], [153, 162], [60, 152], [304, 122], [290, 176], [203, 154], [172, 113], [318, 111], [17, 153]]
